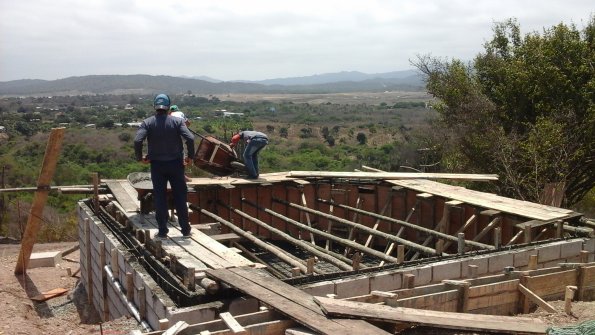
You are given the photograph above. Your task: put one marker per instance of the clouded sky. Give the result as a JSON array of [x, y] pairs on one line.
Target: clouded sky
[[254, 40]]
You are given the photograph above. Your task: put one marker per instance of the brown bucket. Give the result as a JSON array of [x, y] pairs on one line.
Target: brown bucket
[[214, 156]]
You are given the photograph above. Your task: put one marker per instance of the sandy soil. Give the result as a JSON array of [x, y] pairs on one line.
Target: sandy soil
[[70, 314]]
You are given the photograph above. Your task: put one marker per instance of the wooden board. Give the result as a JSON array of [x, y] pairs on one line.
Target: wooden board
[[487, 200], [124, 198], [449, 320], [391, 175], [290, 301]]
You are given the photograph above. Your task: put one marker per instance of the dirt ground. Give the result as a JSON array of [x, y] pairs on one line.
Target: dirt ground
[[70, 314]]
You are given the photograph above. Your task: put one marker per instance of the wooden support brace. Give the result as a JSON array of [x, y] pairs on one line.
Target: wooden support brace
[[105, 298], [310, 265], [536, 299], [129, 287], [357, 258], [163, 324], [461, 243], [232, 323]]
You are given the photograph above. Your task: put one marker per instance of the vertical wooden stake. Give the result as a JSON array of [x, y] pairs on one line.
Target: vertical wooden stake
[[310, 265], [532, 262], [461, 243], [581, 281], [355, 261], [527, 234], [472, 271], [400, 253], [129, 287], [163, 324], [295, 272], [584, 256], [497, 237], [408, 280], [95, 177], [568, 296], [89, 259], [142, 303], [115, 266], [48, 167], [559, 228], [104, 298], [439, 247]]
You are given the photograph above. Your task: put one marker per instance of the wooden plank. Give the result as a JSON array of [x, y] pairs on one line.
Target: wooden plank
[[552, 284], [391, 175], [48, 167], [230, 257], [487, 200], [290, 301], [128, 203], [232, 323], [493, 294], [536, 299], [449, 320]]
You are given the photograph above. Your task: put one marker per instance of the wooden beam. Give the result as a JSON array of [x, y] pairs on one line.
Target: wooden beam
[[232, 323], [50, 159], [391, 175], [536, 299], [448, 320]]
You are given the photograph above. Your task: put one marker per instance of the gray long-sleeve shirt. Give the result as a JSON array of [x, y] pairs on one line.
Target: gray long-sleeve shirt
[[164, 135]]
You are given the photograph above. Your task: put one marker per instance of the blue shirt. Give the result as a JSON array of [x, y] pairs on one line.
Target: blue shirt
[[164, 135]]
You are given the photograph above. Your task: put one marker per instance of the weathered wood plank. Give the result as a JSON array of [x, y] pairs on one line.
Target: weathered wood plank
[[449, 320], [128, 203], [391, 175], [290, 301]]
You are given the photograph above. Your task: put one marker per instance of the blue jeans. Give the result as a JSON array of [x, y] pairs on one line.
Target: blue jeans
[[251, 155], [163, 172]]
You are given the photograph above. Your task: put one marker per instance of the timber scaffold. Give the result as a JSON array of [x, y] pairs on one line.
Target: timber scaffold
[[331, 253]]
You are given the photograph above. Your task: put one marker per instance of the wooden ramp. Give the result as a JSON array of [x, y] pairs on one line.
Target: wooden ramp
[[449, 320], [290, 301]]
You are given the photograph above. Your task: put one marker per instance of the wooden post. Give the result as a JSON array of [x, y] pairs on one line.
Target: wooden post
[[310, 265], [497, 237], [408, 280], [50, 159], [527, 230], [568, 296], [142, 303], [525, 302], [104, 298], [472, 271], [581, 282], [163, 324], [89, 260], [400, 253], [584, 256], [532, 262], [357, 257], [191, 272], [439, 247], [115, 266], [559, 228], [129, 287], [295, 272], [461, 243], [95, 177]]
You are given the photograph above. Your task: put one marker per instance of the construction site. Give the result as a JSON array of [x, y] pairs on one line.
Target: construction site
[[314, 252]]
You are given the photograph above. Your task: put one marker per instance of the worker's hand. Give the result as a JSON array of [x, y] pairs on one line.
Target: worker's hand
[[187, 161], [145, 160], [231, 145]]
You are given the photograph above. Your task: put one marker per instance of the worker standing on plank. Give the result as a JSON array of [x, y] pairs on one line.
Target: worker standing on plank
[[255, 141], [164, 135]]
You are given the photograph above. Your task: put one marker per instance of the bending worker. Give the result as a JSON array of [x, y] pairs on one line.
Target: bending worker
[[255, 141], [166, 155]]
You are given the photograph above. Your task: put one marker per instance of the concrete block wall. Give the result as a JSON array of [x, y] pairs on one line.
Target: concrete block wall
[[158, 304], [549, 255]]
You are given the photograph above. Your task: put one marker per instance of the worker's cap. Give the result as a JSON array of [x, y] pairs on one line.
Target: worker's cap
[[161, 102], [174, 108]]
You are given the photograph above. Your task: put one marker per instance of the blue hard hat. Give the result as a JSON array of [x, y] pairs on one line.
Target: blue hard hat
[[161, 101]]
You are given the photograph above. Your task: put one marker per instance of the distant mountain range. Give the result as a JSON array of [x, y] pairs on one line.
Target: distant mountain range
[[351, 81]]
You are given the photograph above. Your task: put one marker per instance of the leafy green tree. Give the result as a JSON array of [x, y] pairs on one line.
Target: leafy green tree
[[524, 109]]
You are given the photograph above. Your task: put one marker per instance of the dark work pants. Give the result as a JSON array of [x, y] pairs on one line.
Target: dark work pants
[[163, 172], [251, 155]]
